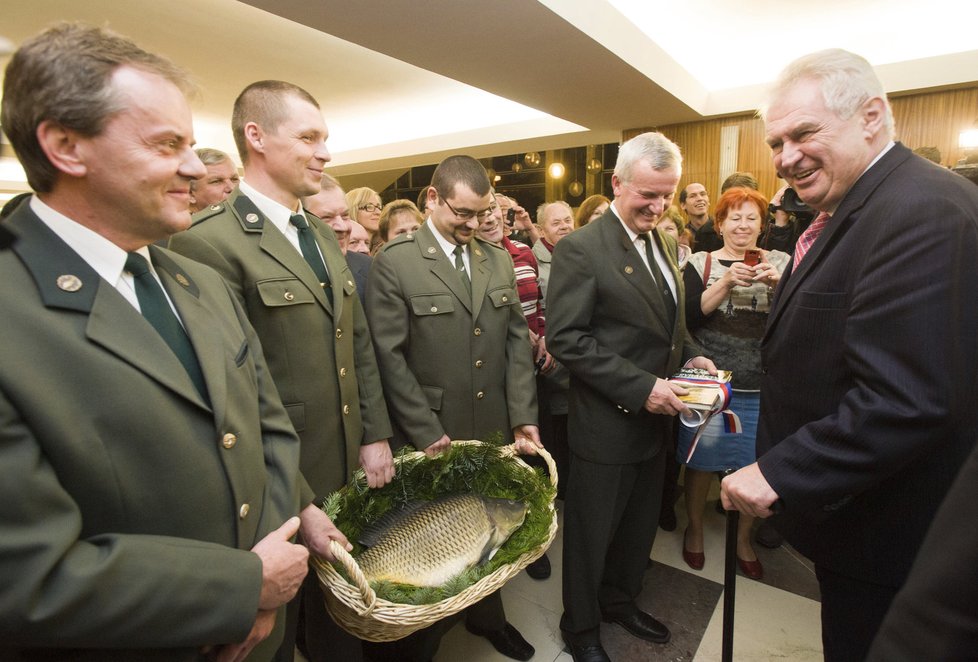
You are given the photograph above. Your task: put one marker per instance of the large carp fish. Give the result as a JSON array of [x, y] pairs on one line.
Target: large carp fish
[[427, 543]]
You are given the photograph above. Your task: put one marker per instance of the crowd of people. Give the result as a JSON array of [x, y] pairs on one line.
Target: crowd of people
[[172, 418]]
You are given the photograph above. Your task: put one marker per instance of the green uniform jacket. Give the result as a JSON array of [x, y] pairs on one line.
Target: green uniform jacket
[[316, 341], [450, 365], [127, 503]]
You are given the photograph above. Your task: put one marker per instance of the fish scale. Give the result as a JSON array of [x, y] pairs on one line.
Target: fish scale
[[429, 544]]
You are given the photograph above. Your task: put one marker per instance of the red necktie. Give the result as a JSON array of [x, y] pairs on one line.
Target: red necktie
[[809, 236]]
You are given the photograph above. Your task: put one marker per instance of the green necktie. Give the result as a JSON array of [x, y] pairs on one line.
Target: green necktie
[[660, 281], [156, 309], [307, 244], [460, 266]]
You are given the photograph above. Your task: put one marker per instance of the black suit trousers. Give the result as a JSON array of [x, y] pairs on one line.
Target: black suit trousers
[[852, 611], [610, 519]]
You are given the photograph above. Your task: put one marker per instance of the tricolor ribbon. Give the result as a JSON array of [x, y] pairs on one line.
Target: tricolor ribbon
[[731, 422]]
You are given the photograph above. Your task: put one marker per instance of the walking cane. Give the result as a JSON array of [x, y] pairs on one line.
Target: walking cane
[[729, 580]]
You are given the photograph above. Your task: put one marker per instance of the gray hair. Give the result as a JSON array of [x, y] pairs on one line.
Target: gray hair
[[847, 81], [210, 156], [542, 209], [653, 148]]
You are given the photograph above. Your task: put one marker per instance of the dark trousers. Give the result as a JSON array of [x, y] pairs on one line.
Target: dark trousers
[[852, 612], [325, 641], [610, 519], [487, 615]]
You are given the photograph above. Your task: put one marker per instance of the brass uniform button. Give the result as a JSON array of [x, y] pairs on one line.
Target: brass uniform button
[[478, 364], [346, 409], [480, 395], [477, 331], [505, 298], [342, 372], [243, 512], [434, 309], [288, 296], [229, 440], [339, 333]]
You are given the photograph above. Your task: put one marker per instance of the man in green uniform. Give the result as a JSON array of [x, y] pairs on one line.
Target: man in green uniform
[[148, 471], [453, 346], [289, 273]]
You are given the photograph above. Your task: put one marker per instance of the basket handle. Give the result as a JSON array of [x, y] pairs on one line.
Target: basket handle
[[353, 570], [510, 451]]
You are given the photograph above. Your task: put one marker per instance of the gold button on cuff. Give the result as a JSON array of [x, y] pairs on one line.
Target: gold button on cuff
[[477, 331], [480, 395], [243, 512], [346, 409], [229, 440]]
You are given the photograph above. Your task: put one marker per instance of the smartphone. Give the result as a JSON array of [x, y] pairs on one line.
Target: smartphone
[[752, 257], [510, 215]]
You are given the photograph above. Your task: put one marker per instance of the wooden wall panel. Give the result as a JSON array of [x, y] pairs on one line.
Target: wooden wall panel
[[926, 119]]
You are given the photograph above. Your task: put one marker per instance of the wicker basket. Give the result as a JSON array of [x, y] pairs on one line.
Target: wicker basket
[[358, 610]]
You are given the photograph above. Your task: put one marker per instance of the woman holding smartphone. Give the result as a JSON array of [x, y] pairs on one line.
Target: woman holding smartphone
[[728, 294]]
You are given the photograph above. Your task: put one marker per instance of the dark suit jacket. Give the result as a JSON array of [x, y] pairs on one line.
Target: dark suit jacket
[[934, 616], [316, 342], [360, 266], [870, 369], [121, 497], [607, 325], [451, 364]]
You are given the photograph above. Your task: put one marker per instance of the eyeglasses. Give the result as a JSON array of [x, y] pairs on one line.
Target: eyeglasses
[[370, 206], [468, 214]]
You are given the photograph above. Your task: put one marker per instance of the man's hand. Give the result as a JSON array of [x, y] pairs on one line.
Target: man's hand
[[283, 565], [748, 491], [703, 363], [441, 444], [259, 632], [663, 400], [378, 463], [527, 439], [318, 530]]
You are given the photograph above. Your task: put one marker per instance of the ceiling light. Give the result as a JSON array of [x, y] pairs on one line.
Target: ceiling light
[[556, 170]]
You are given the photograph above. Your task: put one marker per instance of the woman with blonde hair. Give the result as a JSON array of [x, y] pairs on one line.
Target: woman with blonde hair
[[365, 207]]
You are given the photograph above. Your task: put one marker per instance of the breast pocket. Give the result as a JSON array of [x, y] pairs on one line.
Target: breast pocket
[[822, 300], [277, 292], [503, 296], [432, 304]]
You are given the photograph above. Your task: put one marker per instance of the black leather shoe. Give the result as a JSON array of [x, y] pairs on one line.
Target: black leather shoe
[[641, 625], [508, 642], [588, 653], [539, 569]]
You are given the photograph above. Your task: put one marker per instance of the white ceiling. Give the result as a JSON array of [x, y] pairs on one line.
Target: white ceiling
[[405, 83]]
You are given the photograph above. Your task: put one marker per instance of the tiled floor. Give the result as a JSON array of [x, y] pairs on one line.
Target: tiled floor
[[776, 619]]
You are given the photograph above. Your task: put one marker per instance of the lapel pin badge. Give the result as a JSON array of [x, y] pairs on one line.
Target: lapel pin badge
[[251, 218], [69, 283], [629, 269]]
